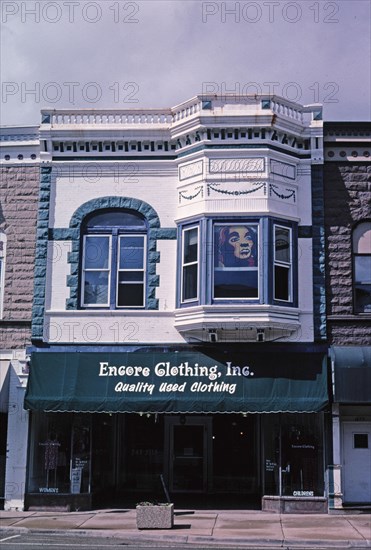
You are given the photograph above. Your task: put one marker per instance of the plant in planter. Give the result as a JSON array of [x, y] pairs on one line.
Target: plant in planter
[[153, 515]]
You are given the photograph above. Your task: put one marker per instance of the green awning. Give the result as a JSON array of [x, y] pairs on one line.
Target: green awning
[[184, 382], [351, 371]]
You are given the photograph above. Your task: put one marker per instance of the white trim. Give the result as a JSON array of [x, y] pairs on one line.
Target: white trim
[[188, 264], [239, 269], [284, 264], [142, 270], [107, 270]]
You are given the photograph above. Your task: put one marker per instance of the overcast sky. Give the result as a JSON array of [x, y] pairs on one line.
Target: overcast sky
[[122, 54]]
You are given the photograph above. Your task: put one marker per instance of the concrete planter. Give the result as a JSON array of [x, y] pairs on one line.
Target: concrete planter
[[155, 516]]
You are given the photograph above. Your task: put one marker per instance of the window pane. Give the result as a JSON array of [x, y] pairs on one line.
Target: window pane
[[236, 246], [96, 287], [190, 282], [363, 269], [96, 252], [131, 276], [131, 252], [281, 283], [362, 298], [360, 441], [362, 238], [293, 450], [130, 295], [115, 219], [235, 284], [235, 261], [282, 244], [190, 245]]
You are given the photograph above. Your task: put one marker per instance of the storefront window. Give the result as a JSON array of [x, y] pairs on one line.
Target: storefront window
[[60, 454], [104, 449], [81, 453], [293, 455], [144, 452]]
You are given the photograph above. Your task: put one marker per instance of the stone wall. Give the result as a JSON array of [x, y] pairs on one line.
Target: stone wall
[[347, 193], [18, 214]]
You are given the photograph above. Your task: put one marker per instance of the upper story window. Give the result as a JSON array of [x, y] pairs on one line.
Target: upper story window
[[362, 267], [241, 260], [190, 261], [235, 261], [282, 278], [114, 261]]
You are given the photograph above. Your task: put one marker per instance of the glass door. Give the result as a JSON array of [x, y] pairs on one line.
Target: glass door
[[189, 464]]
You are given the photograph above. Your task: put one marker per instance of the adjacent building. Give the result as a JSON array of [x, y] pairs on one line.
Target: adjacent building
[[347, 196], [19, 191], [179, 330]]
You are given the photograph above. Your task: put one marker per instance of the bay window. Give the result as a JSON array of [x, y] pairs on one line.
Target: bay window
[[234, 260]]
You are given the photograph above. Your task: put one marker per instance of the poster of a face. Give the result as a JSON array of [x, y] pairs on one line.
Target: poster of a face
[[236, 261], [237, 245]]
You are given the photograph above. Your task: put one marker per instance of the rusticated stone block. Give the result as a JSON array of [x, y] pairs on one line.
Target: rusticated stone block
[[19, 192]]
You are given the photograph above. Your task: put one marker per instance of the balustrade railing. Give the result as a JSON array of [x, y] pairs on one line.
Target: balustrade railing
[[188, 109]]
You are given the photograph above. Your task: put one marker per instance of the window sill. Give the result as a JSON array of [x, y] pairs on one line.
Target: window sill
[[238, 322]]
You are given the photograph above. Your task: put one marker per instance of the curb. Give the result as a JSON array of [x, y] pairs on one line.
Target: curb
[[242, 542]]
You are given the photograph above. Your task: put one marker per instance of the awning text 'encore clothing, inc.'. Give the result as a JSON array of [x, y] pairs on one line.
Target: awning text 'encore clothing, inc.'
[[177, 382]]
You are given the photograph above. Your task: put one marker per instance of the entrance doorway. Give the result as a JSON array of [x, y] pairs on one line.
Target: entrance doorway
[[357, 462], [189, 463]]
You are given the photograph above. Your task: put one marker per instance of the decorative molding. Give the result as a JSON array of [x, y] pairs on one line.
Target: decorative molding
[[347, 153], [235, 192], [237, 165], [67, 234], [199, 190], [191, 170], [289, 193], [304, 170], [283, 169]]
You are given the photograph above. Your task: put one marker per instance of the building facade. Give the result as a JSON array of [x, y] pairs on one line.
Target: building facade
[[180, 294], [347, 196], [19, 191]]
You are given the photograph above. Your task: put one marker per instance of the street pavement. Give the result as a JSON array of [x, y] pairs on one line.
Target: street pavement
[[204, 527]]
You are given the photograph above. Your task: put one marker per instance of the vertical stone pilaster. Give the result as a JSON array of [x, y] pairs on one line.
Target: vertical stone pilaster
[[319, 293], [41, 253]]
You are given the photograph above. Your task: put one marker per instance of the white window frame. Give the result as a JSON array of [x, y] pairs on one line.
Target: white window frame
[[94, 306], [232, 269], [188, 264], [280, 263], [125, 270]]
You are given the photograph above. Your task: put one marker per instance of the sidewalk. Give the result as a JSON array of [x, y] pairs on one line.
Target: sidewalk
[[227, 527]]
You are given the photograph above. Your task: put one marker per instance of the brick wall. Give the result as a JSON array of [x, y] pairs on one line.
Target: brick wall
[[347, 195], [19, 198]]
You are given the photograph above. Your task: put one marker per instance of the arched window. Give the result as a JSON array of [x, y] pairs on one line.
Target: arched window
[[362, 267], [114, 260]]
